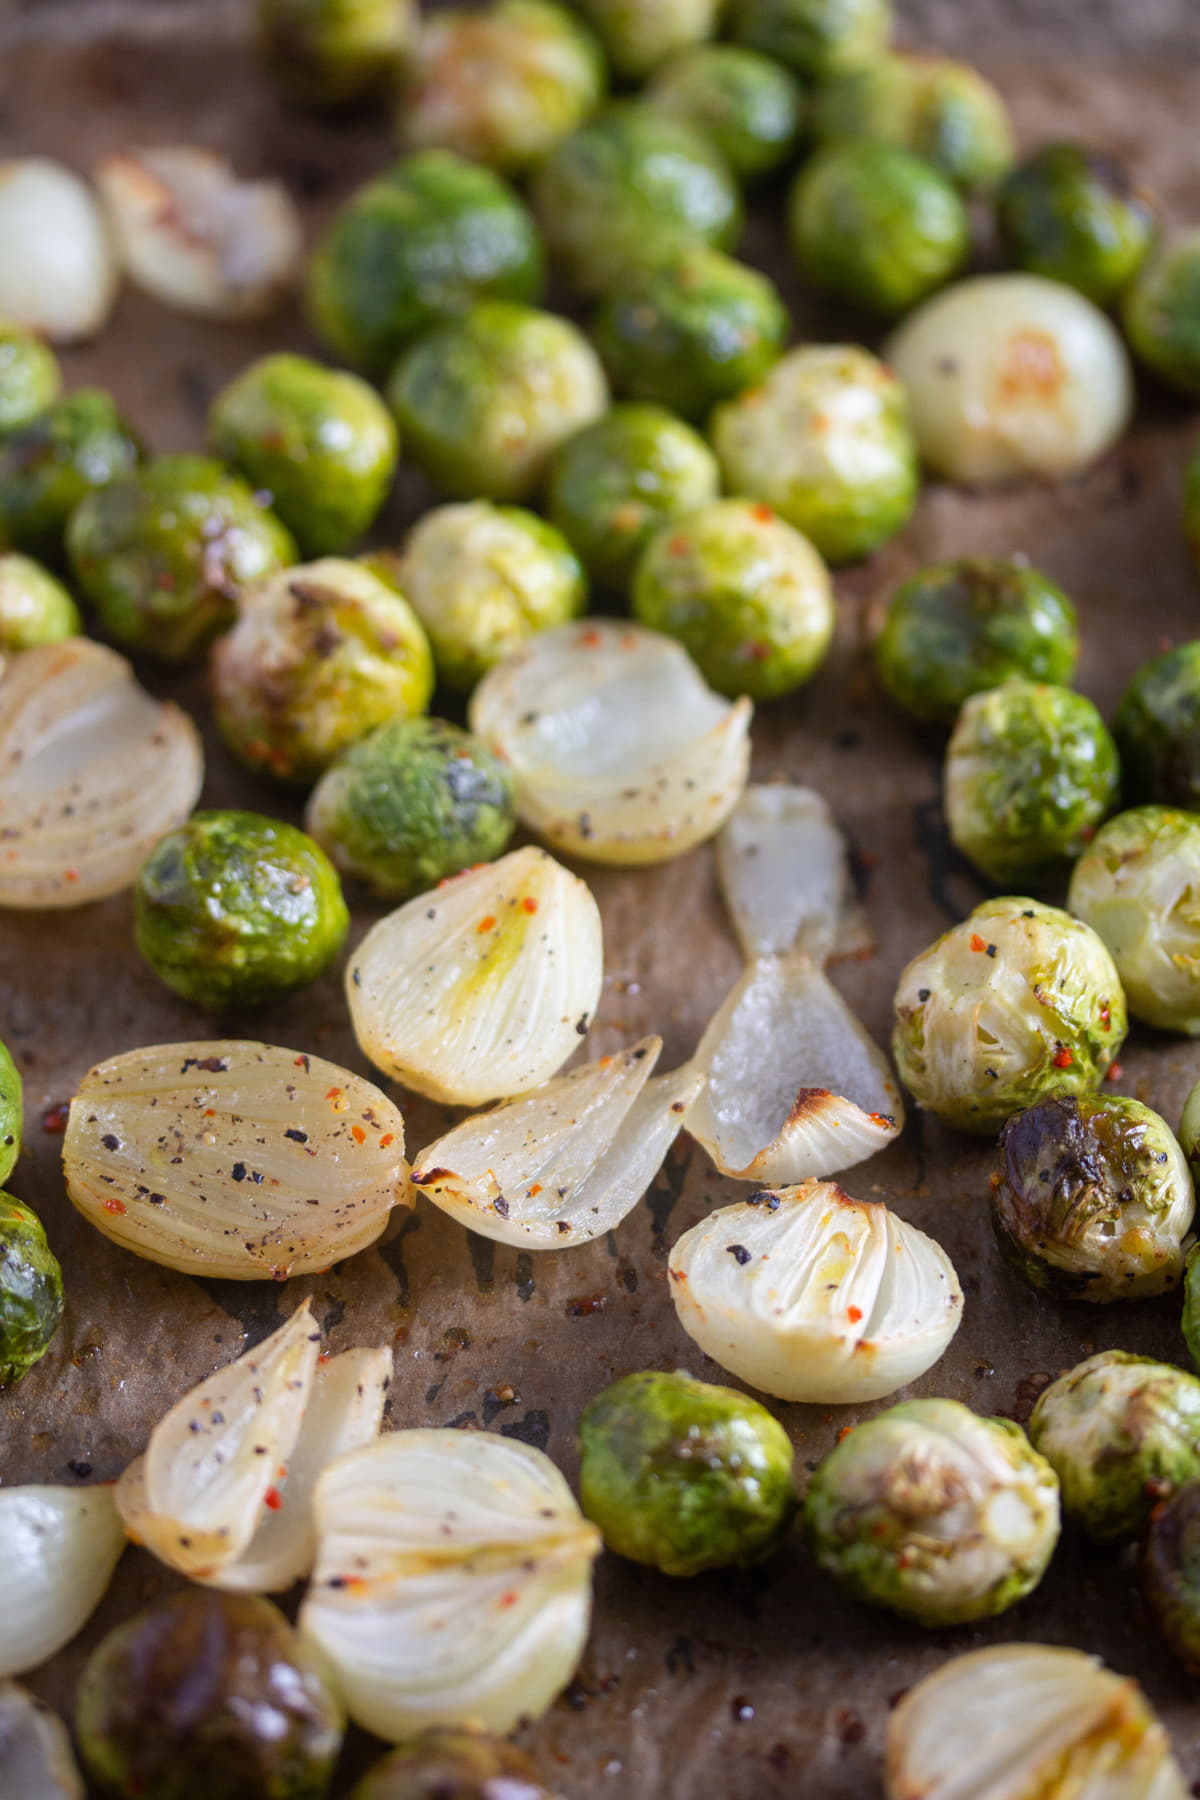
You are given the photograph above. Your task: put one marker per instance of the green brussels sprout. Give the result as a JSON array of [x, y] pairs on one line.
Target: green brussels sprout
[[875, 226], [747, 106], [47, 466], [1157, 729], [319, 655], [35, 608], [1191, 504], [1189, 1132], [940, 110], [683, 1475], [1074, 215], [30, 379], [320, 441], [453, 1762], [1190, 1322], [412, 803], [1161, 313], [1092, 1198], [747, 597], [31, 1286], [207, 1694], [615, 482], [12, 1112], [934, 1512], [815, 38], [1017, 1002], [234, 909], [639, 35], [629, 179], [420, 243], [482, 579], [1030, 772], [1121, 1432], [826, 441], [1171, 1571], [689, 328], [485, 401], [163, 551], [334, 53], [958, 628]]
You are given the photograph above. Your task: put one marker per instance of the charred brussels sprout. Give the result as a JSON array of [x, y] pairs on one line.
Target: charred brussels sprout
[[1171, 1570], [1157, 728], [203, 1694], [12, 1113], [934, 1512], [163, 552], [47, 466], [421, 242], [940, 110], [1092, 1198], [31, 1289], [320, 441], [453, 1762], [235, 909], [1161, 313], [1073, 214], [683, 1475], [1121, 1432], [34, 607], [748, 107], [333, 53], [640, 34], [29, 376], [1018, 1002], [815, 38]]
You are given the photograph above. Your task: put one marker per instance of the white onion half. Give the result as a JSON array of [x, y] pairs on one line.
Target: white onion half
[[58, 274], [621, 753], [810, 1295], [36, 1760], [58, 1549], [483, 987], [453, 1581], [785, 875], [92, 773], [566, 1162]]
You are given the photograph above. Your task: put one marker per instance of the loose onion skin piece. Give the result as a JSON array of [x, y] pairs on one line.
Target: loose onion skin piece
[[785, 876], [59, 1547]]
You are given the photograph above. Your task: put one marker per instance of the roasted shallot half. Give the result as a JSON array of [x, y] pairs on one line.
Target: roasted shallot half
[[567, 1161], [809, 1295], [58, 274], [621, 753], [453, 1581], [785, 875], [92, 773], [58, 1549], [35, 1749], [233, 1158], [482, 987]]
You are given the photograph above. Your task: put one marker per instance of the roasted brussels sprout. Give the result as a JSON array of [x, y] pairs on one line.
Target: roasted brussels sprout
[[629, 179], [424, 240], [640, 34], [689, 328], [1030, 772], [35, 608], [1121, 1432], [683, 1475], [1018, 1002], [485, 401], [876, 226], [47, 466], [1157, 728], [1161, 313], [30, 378], [333, 53], [31, 1287], [815, 38], [934, 1512], [1189, 1143], [12, 1113], [203, 1694], [943, 111], [1189, 1136], [234, 909], [826, 441], [453, 1762], [1073, 214], [319, 655], [1171, 1570], [747, 106]]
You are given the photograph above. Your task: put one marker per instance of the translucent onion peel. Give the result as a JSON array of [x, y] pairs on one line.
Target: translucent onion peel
[[36, 1760], [566, 1162], [58, 1548], [453, 1581], [785, 876], [233, 1158], [92, 773], [810, 1295], [621, 753]]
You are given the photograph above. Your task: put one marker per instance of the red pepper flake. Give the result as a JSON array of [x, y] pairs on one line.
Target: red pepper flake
[[358, 1134], [54, 1119], [529, 903], [509, 1599], [1115, 1072], [1062, 1058], [389, 1137], [535, 1190], [678, 545], [1105, 1016], [844, 1432], [458, 875], [487, 924], [70, 874], [210, 1112], [854, 1314], [762, 513], [113, 1206], [591, 638], [301, 1062], [977, 943], [334, 1094], [273, 1499], [881, 1118]]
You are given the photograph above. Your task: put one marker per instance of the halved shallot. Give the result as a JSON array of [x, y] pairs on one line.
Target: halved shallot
[[58, 1549], [785, 875], [36, 1758]]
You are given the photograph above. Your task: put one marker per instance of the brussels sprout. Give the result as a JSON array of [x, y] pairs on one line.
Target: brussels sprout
[[320, 441], [639, 35], [234, 909], [943, 111], [30, 379], [1121, 1432], [874, 225], [630, 179], [12, 1112], [1157, 728], [34, 607], [1161, 313], [485, 401], [207, 1694], [1073, 214], [1189, 1134], [48, 466], [1171, 1571], [333, 53], [453, 1762], [689, 328], [163, 551], [816, 38], [684, 1475], [934, 1512], [826, 441], [747, 597], [1092, 1198], [319, 655], [1030, 772], [411, 803], [421, 242], [1017, 1002], [748, 107], [31, 1285]]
